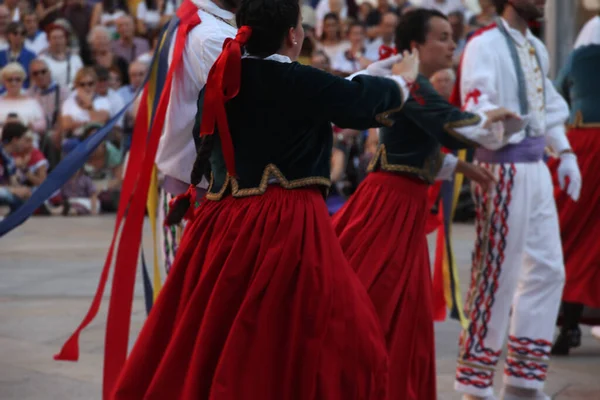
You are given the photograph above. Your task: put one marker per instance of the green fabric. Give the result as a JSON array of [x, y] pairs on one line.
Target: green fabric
[[113, 157]]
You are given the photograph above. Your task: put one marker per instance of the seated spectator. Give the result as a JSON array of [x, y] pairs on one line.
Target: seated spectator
[[16, 51], [373, 22], [48, 11], [331, 42], [325, 7], [443, 82], [364, 9], [50, 95], [353, 59], [14, 101], [115, 80], [79, 193], [485, 17], [321, 61], [13, 9], [100, 42], [63, 63], [78, 13], [106, 13], [83, 106], [128, 47], [387, 37], [31, 164], [12, 194], [152, 14], [137, 73], [103, 91], [146, 58], [36, 40]]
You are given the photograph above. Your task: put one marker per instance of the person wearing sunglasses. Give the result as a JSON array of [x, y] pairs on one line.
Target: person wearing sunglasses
[[83, 105], [15, 101], [16, 51]]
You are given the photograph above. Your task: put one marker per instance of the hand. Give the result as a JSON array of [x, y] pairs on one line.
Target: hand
[[408, 68], [498, 115], [86, 99], [22, 192], [363, 62], [384, 67], [482, 176], [568, 168]]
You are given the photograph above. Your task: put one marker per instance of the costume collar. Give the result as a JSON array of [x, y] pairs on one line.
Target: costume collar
[[212, 8], [273, 57], [518, 36]]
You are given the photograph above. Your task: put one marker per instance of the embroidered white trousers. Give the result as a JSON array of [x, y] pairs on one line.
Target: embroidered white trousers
[[517, 278]]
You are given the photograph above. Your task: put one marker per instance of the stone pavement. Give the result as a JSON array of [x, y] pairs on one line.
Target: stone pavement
[[49, 269]]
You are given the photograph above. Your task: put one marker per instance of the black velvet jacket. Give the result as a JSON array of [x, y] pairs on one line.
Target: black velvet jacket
[[425, 123], [280, 124]]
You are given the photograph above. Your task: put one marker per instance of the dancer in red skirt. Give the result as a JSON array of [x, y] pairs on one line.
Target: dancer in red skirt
[[579, 84], [260, 302], [382, 227]]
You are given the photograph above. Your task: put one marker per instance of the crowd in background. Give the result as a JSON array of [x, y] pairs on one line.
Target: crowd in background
[[66, 67]]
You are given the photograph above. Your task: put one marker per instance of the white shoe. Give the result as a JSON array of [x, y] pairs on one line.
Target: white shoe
[[596, 332], [532, 395]]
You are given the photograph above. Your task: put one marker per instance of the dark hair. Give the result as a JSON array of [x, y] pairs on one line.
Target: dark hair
[[101, 73], [354, 24], [414, 27], [335, 17], [12, 130], [14, 26], [110, 6], [270, 21], [500, 5]]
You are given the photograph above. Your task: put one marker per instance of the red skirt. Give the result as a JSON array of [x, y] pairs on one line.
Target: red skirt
[[580, 221], [382, 232], [260, 304]]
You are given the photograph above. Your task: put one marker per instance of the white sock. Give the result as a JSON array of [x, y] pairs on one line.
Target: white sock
[[517, 393]]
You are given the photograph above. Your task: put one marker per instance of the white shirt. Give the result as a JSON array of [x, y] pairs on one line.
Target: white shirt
[[72, 109], [116, 103], [590, 33], [151, 18], [488, 67], [63, 71], [176, 150], [38, 44]]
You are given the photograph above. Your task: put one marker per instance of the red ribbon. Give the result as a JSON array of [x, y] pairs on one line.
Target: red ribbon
[[413, 88], [189, 194], [222, 85], [133, 201], [473, 95], [386, 52]]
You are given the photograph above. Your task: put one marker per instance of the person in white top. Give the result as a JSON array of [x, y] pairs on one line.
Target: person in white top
[[36, 39], [177, 151], [152, 14], [354, 59], [27, 109], [387, 28], [83, 105], [518, 269], [62, 63]]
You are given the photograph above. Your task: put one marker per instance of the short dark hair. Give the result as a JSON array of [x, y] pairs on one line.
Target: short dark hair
[[500, 5], [11, 131], [414, 27], [270, 21], [102, 73], [14, 26]]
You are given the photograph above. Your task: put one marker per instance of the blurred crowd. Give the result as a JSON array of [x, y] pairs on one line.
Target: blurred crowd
[[67, 67]]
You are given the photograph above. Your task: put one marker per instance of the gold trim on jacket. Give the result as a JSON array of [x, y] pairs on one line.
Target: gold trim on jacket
[[428, 172]]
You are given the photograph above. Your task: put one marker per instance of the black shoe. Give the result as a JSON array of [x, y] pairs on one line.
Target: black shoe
[[566, 340]]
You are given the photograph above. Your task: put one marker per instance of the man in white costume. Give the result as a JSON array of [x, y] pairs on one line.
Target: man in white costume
[[518, 271], [176, 151]]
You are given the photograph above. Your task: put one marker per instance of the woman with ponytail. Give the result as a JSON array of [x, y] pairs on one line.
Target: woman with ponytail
[[260, 303]]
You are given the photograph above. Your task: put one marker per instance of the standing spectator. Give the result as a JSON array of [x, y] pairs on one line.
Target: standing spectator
[[79, 16], [457, 21], [11, 193], [99, 40], [51, 96], [48, 11], [13, 9], [387, 29], [152, 14], [83, 106], [128, 47], [36, 40], [106, 13], [62, 62], [16, 51], [4, 21], [331, 42], [352, 60], [485, 17], [27, 108]]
